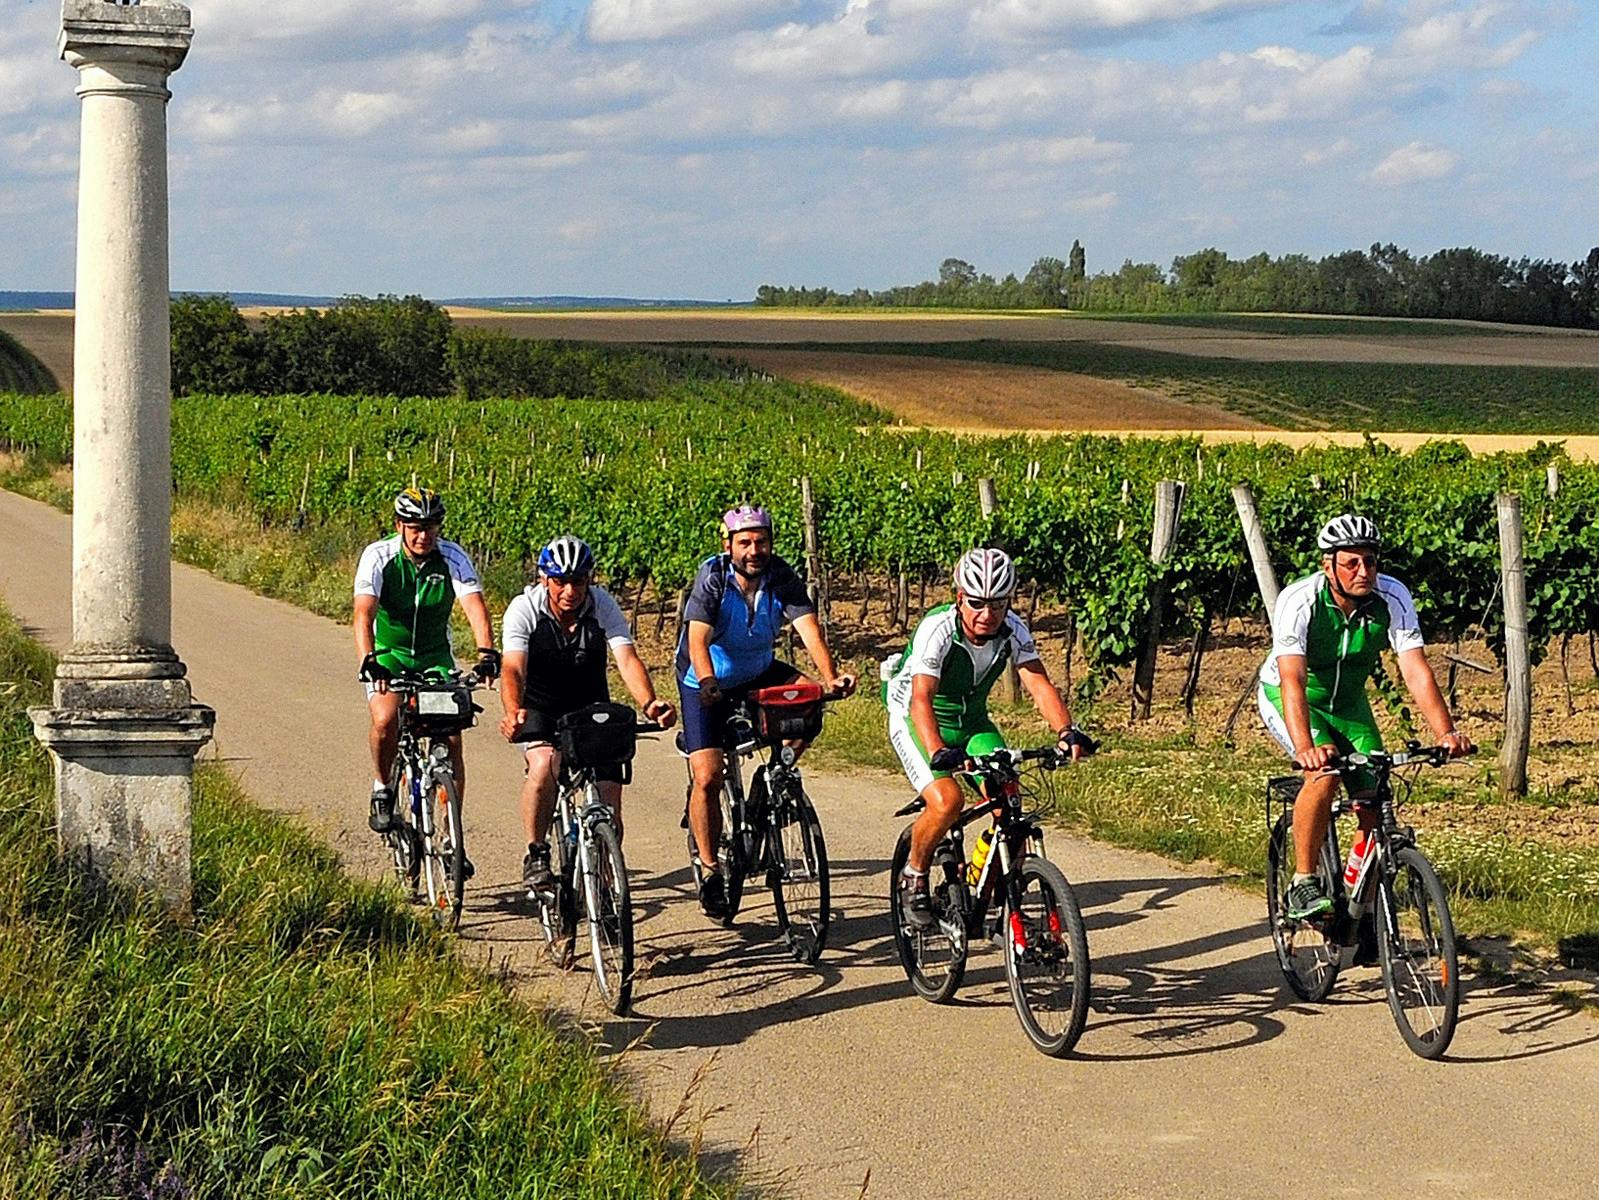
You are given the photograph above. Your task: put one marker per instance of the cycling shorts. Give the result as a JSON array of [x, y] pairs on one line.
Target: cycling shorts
[[1351, 727], [979, 736], [703, 725]]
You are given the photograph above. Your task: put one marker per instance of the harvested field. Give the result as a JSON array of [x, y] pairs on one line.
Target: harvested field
[[1539, 347], [979, 396], [48, 335]]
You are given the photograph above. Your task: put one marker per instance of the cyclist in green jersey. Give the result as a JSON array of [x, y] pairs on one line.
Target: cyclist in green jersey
[[405, 587], [937, 697], [1328, 631]]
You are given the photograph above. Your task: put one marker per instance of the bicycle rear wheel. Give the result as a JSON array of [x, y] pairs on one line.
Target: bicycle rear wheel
[[444, 852], [1046, 957], [798, 875], [1416, 940], [609, 907], [1309, 959], [934, 959]]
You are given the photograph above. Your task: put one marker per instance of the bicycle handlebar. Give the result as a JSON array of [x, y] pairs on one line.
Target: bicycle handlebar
[[1414, 752], [417, 681]]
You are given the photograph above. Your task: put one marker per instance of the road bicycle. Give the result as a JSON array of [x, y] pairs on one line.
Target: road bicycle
[[1389, 906], [1009, 893], [772, 828], [586, 850], [426, 838]]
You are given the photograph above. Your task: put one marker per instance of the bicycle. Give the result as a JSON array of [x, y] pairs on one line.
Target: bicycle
[[426, 838], [774, 827], [1387, 892], [587, 851], [1034, 917]]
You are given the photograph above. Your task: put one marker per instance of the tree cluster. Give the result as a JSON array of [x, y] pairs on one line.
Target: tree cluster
[[404, 346], [1385, 281]]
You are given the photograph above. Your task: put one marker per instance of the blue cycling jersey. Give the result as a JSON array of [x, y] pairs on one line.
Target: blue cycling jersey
[[745, 625]]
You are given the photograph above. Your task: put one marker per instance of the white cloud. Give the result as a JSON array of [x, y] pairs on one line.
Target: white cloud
[[1017, 18], [1414, 162], [652, 20]]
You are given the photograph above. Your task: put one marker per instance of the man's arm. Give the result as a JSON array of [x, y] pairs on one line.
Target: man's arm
[[810, 635], [366, 612], [923, 689], [513, 674], [637, 678], [1291, 671], [1423, 685], [1047, 699], [477, 616]]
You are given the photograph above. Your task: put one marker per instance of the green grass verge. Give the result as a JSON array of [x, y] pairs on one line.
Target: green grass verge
[[1188, 800], [21, 372], [1425, 398], [305, 1036]]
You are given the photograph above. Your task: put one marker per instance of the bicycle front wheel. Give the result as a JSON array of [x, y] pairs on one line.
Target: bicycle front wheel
[[1309, 959], [444, 853], [609, 906], [799, 876], [934, 959], [403, 840], [1416, 940], [1046, 957]]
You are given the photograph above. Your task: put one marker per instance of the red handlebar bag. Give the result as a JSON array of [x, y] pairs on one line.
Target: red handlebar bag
[[790, 712]]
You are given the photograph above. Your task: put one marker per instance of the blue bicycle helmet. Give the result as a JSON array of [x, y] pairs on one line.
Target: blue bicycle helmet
[[566, 556]]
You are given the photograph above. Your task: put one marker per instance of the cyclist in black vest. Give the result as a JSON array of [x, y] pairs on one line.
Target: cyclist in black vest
[[557, 633]]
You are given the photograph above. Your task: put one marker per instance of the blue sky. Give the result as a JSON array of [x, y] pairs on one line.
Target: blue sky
[[702, 147]]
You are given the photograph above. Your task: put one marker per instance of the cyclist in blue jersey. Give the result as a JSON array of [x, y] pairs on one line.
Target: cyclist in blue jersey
[[737, 606]]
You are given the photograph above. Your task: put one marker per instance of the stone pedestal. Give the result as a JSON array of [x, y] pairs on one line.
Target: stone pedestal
[[124, 730]]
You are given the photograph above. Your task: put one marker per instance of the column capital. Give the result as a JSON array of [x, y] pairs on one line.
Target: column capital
[[137, 45]]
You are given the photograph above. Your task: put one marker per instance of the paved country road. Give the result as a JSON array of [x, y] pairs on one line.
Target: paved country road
[[1196, 1076]]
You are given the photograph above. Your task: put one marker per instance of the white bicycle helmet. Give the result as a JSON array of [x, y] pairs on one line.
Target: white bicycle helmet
[[566, 556], [985, 574], [1349, 532]]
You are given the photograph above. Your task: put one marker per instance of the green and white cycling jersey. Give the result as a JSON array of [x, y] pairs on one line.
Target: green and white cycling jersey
[[412, 629], [1339, 655], [1339, 651], [966, 672]]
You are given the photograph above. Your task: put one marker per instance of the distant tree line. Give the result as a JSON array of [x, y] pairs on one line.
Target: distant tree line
[[1384, 281], [404, 346]]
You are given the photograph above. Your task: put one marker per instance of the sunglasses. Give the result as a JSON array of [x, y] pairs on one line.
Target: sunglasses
[[998, 605]]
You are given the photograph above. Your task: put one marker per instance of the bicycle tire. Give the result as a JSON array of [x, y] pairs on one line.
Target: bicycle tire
[[1421, 965], [799, 876], [444, 853], [608, 905], [402, 839], [1059, 986], [1307, 957], [934, 959]]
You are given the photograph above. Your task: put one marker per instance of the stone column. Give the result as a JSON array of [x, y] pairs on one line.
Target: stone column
[[124, 729]]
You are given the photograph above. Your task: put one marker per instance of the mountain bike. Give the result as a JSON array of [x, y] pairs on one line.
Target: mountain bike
[[426, 838], [773, 828], [1013, 895], [586, 850], [1387, 893]]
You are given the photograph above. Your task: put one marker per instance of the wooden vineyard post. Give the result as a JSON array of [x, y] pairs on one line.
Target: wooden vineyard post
[[815, 572], [1168, 508], [1518, 660], [988, 501], [1255, 539]]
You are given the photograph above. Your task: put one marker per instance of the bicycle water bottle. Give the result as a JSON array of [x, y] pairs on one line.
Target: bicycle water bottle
[[974, 869], [571, 832], [1359, 851]]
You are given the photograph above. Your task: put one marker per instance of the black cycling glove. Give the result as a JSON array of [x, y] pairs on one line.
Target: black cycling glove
[[372, 671], [947, 758], [1071, 737], [488, 663]]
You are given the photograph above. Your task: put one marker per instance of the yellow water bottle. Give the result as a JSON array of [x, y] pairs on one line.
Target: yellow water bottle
[[974, 869]]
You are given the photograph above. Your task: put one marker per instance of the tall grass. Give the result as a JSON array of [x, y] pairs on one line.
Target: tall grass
[[304, 1036]]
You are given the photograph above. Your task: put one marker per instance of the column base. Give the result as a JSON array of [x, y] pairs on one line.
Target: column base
[[124, 788]]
